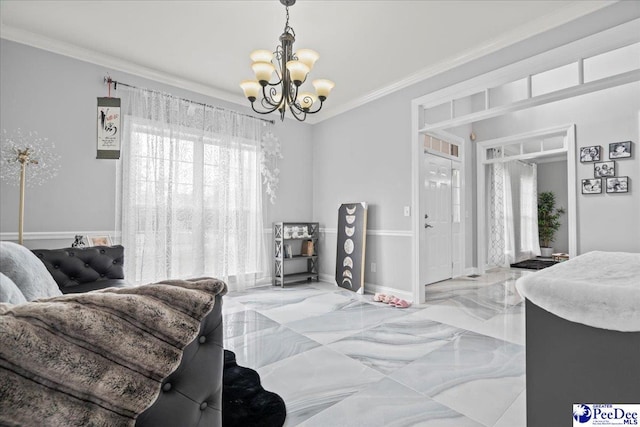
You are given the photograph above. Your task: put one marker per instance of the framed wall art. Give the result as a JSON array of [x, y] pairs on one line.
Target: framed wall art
[[604, 169], [620, 150], [352, 240], [592, 186], [590, 154], [99, 241], [109, 127], [618, 184]]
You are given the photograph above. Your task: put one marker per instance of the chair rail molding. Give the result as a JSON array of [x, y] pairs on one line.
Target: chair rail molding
[[370, 232], [56, 235]]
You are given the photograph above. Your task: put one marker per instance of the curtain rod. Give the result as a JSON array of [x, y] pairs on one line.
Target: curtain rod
[[108, 80]]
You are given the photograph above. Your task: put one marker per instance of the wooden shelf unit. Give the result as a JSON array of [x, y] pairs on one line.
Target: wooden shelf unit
[[296, 268]]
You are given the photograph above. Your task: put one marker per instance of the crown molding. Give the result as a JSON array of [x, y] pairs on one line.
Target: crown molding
[[566, 14], [73, 51]]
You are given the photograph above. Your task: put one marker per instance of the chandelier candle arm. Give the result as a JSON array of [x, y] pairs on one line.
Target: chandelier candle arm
[[292, 71]]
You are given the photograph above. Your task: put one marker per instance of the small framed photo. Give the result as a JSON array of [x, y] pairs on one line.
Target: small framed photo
[[618, 185], [99, 241], [590, 154], [592, 186], [604, 169], [620, 150]]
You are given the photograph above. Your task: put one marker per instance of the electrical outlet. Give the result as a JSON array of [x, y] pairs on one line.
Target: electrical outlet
[[407, 211], [373, 267]]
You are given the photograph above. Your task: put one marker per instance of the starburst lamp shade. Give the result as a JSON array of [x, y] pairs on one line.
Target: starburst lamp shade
[[26, 156]]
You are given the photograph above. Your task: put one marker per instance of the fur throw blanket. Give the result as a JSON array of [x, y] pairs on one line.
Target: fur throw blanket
[[598, 289], [97, 358]]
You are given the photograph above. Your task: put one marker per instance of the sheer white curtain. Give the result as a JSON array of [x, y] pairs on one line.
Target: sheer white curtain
[[513, 214], [191, 191], [529, 244]]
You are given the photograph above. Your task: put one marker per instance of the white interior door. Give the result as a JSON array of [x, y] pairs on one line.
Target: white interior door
[[435, 213]]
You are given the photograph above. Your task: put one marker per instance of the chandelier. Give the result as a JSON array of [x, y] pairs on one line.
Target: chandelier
[[291, 72]]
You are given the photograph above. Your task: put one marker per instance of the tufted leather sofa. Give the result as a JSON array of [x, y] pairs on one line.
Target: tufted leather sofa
[[192, 395], [85, 269]]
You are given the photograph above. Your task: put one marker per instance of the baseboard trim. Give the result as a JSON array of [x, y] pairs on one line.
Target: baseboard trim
[[372, 288], [470, 271]]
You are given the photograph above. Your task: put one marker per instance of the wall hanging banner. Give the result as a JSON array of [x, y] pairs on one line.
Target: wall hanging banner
[[108, 128], [352, 239]]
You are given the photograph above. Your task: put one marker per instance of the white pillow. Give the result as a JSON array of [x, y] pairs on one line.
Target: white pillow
[[27, 272], [9, 292]]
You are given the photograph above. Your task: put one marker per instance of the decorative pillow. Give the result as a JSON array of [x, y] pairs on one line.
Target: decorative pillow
[[9, 292], [27, 272]]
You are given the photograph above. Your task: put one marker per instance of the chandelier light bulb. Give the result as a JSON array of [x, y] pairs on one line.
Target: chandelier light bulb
[[263, 71], [323, 87], [297, 71], [251, 89], [261, 55], [308, 57]]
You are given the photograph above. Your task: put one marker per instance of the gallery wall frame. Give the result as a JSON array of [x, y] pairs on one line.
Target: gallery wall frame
[[620, 150], [592, 186], [592, 153], [604, 169], [618, 184]]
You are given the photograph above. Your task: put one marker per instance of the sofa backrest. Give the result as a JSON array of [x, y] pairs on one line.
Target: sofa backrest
[[71, 267]]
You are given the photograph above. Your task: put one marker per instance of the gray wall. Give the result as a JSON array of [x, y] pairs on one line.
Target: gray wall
[[552, 176], [56, 96], [361, 155], [365, 155], [606, 222]]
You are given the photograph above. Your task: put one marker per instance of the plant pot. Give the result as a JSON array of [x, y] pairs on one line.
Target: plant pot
[[546, 252]]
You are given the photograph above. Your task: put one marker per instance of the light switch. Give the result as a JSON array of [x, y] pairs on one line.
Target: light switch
[[407, 211]]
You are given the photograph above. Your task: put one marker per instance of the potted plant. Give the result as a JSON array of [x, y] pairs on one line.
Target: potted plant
[[548, 221]]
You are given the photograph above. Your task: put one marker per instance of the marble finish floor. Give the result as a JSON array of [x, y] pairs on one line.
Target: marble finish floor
[[340, 359]]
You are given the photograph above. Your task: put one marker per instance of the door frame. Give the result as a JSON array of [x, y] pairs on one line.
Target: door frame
[[417, 152], [569, 148]]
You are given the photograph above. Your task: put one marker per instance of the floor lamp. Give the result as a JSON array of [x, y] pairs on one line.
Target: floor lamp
[[21, 152]]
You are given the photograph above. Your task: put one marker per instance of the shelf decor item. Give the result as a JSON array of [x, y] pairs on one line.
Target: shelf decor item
[[307, 248], [99, 240], [78, 241], [21, 152], [352, 239]]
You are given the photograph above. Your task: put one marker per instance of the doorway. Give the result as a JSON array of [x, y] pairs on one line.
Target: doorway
[[439, 220], [435, 209], [557, 142]]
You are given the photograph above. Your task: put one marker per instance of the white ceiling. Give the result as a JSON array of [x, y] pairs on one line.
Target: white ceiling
[[368, 48]]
